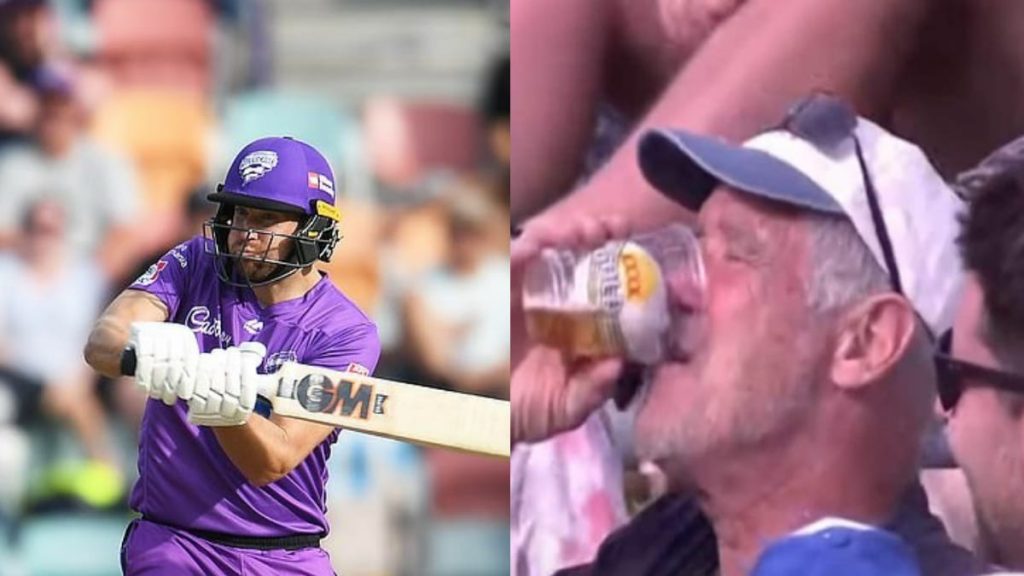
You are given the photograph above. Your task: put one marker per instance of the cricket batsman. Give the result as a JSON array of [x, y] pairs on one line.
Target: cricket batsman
[[225, 486]]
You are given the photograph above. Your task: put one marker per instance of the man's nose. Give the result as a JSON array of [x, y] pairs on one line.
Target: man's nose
[[247, 234]]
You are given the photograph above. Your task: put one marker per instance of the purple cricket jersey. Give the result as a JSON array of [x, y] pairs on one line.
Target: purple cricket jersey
[[185, 478]]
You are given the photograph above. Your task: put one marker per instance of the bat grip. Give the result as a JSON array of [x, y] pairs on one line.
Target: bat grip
[[267, 386], [267, 383], [128, 362]]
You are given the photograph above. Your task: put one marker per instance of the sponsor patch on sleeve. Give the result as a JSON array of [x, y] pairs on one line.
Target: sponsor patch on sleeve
[[357, 368], [151, 274]]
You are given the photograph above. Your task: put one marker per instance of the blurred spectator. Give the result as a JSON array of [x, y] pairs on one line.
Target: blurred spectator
[[452, 325], [500, 218], [459, 341], [495, 111], [413, 241], [47, 307], [24, 34], [356, 269], [198, 210], [96, 187], [195, 212]]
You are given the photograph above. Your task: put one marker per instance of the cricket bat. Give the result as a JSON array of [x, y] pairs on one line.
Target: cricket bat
[[396, 410]]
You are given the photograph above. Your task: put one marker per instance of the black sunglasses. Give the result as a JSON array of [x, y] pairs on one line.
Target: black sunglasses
[[956, 375], [826, 122]]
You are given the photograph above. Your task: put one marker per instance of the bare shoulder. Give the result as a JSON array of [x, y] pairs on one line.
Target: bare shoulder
[[960, 96], [648, 41]]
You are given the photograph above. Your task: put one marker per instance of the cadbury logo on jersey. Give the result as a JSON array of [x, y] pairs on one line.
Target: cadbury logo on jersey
[[198, 319], [256, 165]]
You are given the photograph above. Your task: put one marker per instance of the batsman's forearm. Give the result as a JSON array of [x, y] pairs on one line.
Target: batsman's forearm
[[106, 342], [111, 333], [260, 449]]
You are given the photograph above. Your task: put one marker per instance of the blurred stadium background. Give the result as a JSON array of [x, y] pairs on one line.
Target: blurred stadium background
[[118, 116]]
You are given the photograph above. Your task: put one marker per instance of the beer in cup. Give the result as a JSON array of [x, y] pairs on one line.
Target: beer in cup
[[635, 298]]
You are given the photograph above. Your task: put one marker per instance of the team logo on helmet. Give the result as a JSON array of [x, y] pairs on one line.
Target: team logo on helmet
[[256, 165]]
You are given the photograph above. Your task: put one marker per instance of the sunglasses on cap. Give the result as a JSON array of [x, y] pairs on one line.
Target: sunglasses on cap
[[825, 122], [955, 375]]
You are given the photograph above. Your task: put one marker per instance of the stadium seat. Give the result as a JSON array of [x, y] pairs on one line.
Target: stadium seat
[[469, 530], [156, 43], [408, 140], [79, 545]]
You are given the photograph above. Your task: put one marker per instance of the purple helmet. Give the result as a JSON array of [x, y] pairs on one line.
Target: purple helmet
[[283, 175]]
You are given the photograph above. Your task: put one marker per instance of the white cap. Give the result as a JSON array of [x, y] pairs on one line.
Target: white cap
[[919, 210]]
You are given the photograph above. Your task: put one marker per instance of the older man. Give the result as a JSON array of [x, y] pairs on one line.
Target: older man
[[981, 381], [830, 261]]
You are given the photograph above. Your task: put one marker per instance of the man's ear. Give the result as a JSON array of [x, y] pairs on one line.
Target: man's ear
[[872, 337]]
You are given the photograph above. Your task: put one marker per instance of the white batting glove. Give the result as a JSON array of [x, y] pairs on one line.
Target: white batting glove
[[166, 358], [226, 385]]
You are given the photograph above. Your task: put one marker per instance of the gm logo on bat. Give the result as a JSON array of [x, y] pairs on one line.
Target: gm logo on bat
[[318, 393]]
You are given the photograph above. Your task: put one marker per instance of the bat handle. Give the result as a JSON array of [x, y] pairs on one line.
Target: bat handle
[[267, 383], [128, 362], [267, 386]]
